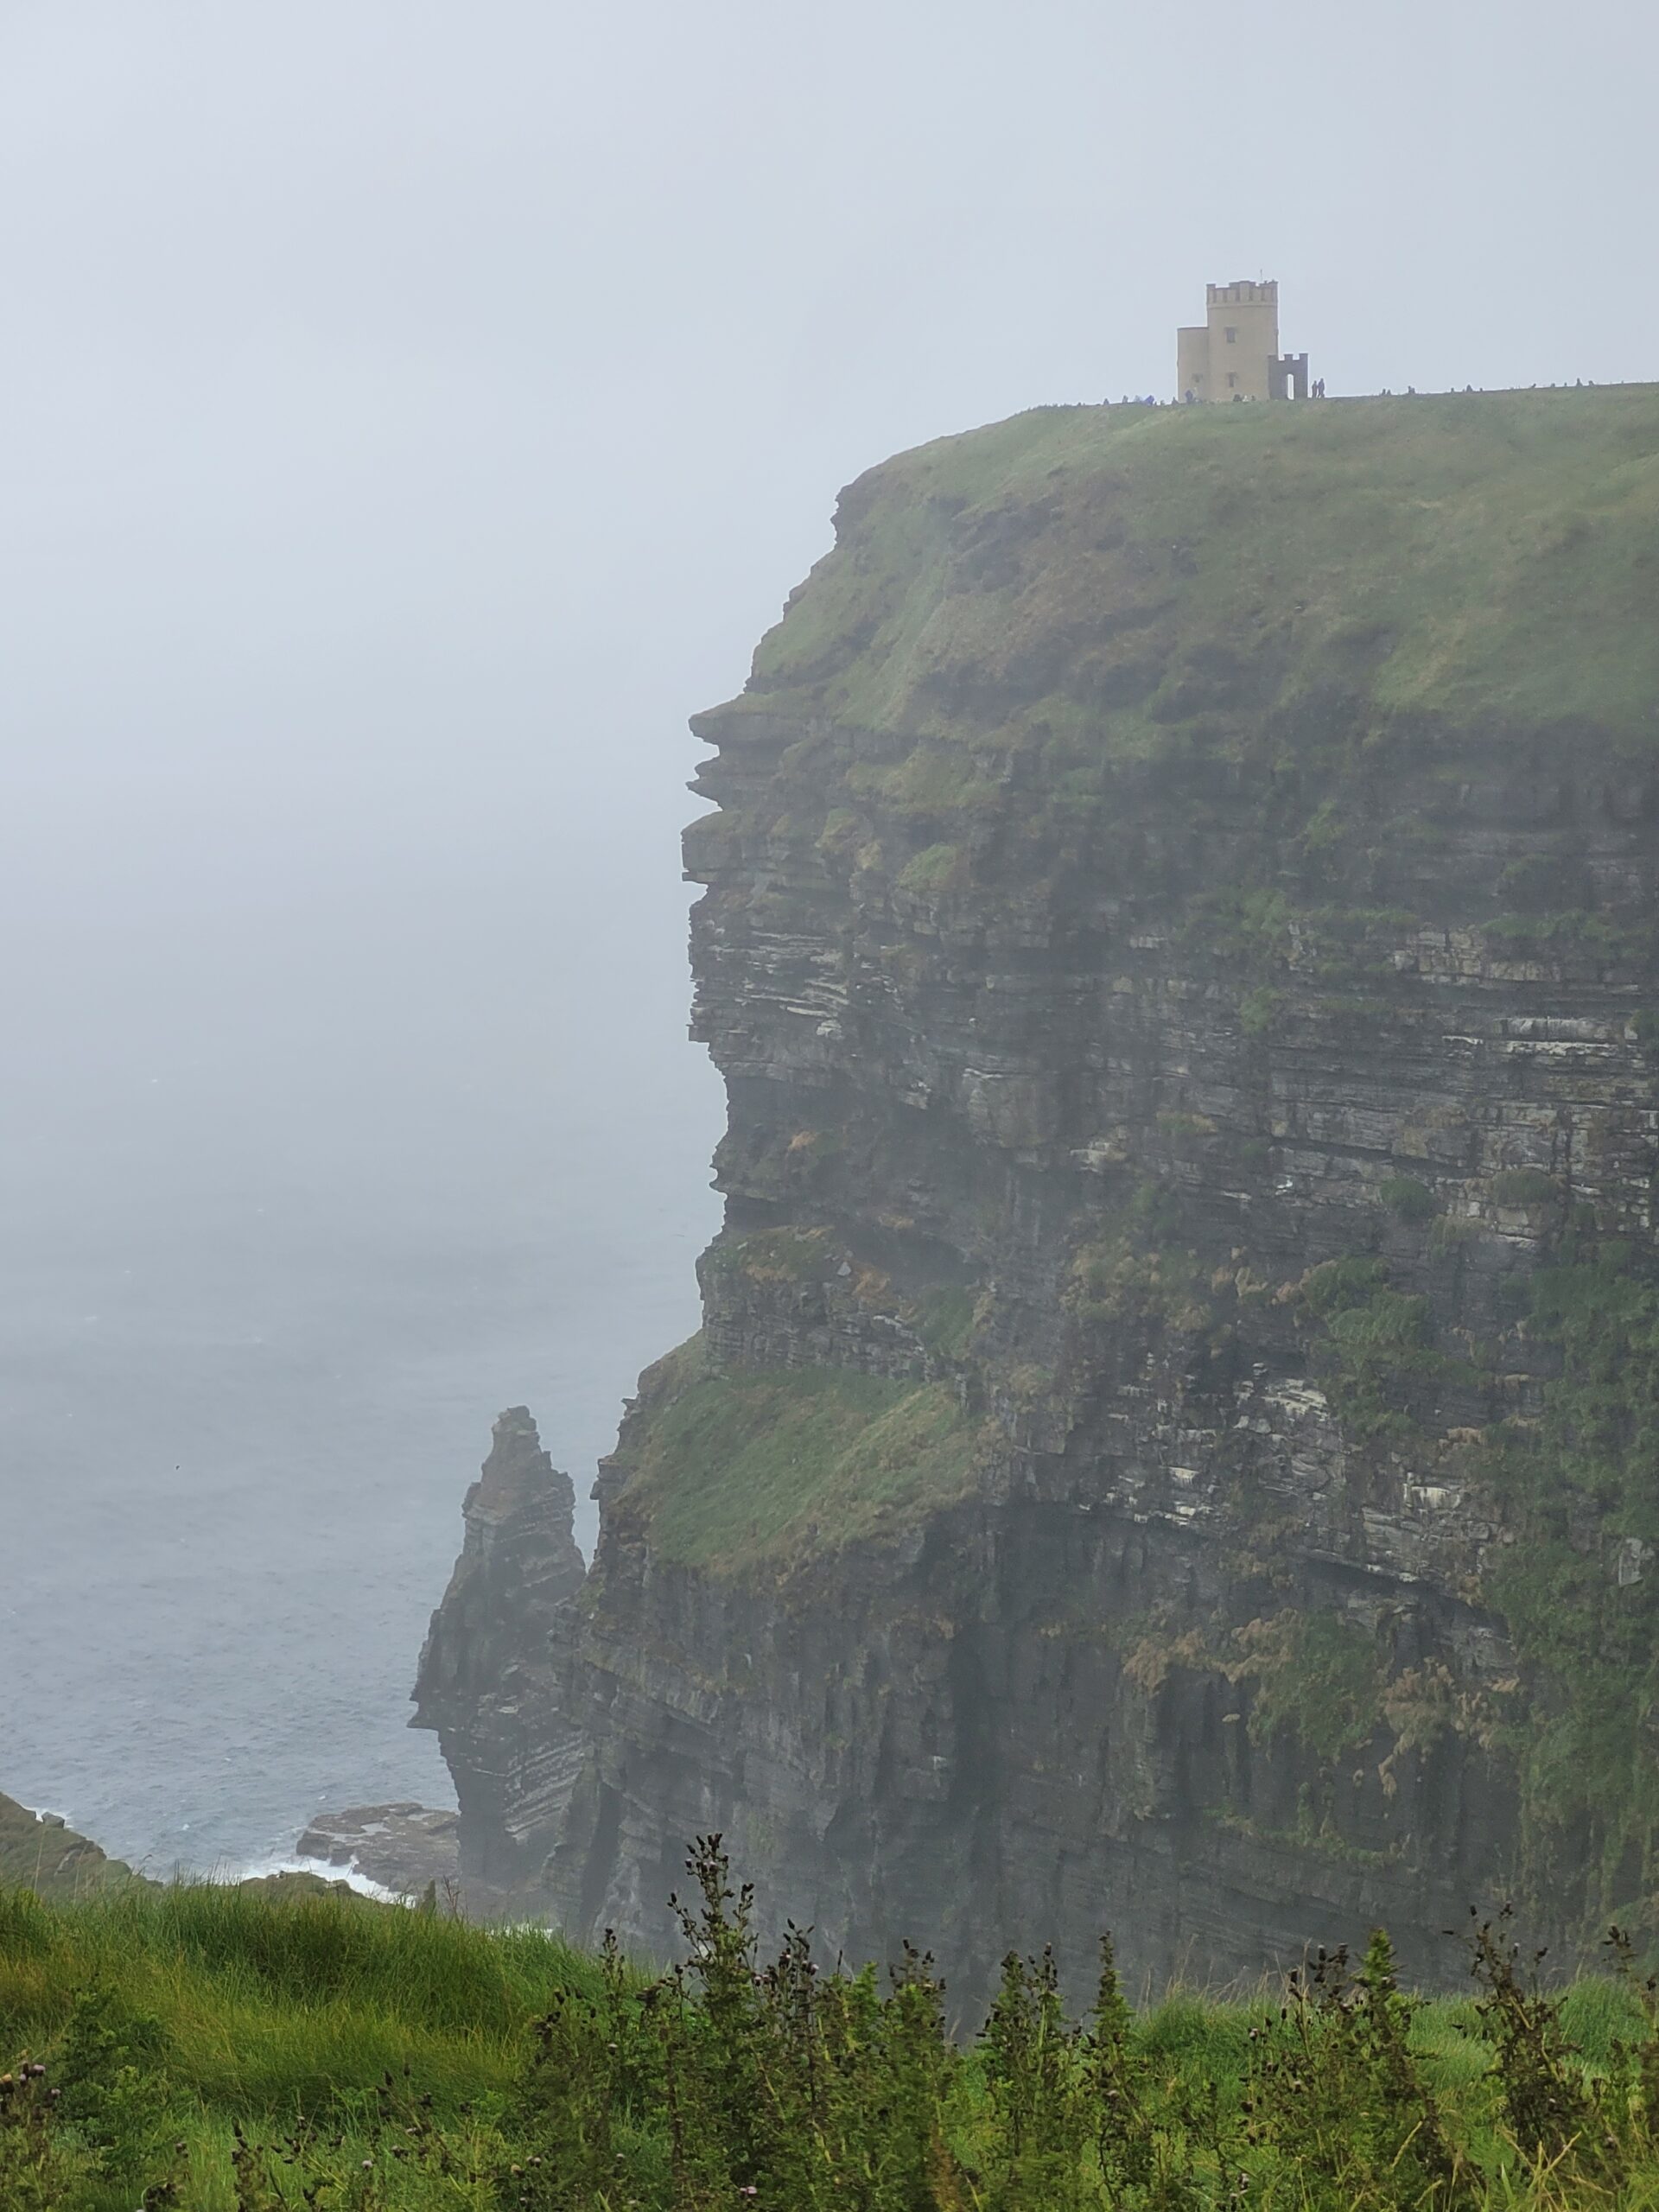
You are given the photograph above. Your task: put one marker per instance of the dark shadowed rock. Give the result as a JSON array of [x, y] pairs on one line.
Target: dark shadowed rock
[[1146, 1463], [484, 1680]]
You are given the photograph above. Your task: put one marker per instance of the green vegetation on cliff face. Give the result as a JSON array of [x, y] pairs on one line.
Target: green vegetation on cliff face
[[763, 1468], [1478, 560], [216, 2051]]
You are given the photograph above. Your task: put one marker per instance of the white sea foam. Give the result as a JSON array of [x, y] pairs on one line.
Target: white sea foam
[[288, 1862]]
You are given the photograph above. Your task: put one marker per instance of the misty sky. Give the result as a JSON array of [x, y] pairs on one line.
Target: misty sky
[[412, 411], [397, 390], [421, 379], [408, 382]]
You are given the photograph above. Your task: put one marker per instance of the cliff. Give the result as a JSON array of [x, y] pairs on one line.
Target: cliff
[[1172, 1443]]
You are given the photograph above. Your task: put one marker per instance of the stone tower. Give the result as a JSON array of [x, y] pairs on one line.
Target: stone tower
[[1234, 354]]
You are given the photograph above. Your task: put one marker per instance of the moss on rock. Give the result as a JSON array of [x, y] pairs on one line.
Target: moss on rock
[[764, 1469]]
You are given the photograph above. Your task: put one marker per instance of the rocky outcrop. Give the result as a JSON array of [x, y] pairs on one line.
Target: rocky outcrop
[[41, 1852], [407, 1848], [1170, 1445], [484, 1680]]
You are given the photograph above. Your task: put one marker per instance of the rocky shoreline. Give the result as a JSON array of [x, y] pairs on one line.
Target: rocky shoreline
[[405, 1848], [41, 1851]]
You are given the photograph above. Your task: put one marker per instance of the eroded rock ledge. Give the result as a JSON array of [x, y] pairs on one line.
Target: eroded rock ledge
[[1171, 1442]]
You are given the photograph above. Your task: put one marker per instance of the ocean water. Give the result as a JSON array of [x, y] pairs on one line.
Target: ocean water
[[344, 1101]]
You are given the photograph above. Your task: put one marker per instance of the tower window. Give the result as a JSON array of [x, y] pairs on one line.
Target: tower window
[[1231, 381], [1232, 338]]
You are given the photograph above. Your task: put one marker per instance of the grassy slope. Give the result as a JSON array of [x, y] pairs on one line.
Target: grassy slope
[[761, 1468], [241, 2008], [1483, 559], [274, 2003]]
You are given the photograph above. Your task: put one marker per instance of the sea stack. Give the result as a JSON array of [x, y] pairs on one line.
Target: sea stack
[[484, 1680]]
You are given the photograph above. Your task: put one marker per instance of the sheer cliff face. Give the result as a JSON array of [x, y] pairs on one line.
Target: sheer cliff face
[[1171, 1443]]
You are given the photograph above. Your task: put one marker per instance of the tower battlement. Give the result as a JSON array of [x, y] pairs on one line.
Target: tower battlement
[[1234, 354], [1265, 294]]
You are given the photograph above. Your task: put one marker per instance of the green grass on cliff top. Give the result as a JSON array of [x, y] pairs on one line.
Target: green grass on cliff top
[[1487, 559], [760, 1468]]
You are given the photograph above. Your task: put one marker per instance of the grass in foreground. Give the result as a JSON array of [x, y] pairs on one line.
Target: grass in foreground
[[224, 2050]]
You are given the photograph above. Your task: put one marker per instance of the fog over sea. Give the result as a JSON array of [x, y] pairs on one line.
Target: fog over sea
[[346, 1101]]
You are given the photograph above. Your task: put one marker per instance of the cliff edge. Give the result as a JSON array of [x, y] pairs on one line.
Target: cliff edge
[[1171, 1444], [41, 1852]]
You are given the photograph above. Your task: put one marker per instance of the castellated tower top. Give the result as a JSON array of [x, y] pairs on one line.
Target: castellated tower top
[[1244, 295], [1234, 354]]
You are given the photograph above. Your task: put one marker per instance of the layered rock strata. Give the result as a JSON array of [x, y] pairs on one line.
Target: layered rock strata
[[1170, 1444], [486, 1679]]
